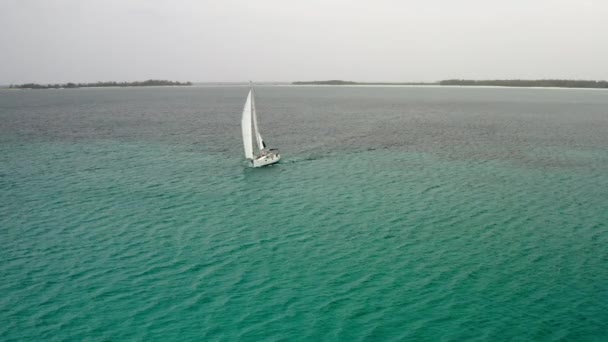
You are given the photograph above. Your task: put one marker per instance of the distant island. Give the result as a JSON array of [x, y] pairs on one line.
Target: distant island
[[147, 83], [529, 83], [555, 83]]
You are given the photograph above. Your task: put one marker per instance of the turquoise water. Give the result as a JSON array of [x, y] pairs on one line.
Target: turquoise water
[[395, 214]]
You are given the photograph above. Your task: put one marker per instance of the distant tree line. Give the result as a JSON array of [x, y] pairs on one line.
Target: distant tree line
[[529, 83], [101, 84], [459, 82]]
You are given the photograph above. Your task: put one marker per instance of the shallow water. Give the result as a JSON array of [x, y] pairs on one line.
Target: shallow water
[[396, 213]]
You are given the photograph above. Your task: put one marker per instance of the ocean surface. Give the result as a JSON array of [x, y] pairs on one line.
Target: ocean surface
[[396, 213]]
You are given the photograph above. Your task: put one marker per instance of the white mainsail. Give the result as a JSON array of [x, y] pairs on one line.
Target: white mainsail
[[246, 128], [258, 136]]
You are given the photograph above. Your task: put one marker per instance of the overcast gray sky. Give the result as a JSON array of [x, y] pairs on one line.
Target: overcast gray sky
[[281, 40]]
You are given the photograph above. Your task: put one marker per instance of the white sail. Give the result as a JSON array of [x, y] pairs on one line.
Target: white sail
[[246, 128], [258, 136]]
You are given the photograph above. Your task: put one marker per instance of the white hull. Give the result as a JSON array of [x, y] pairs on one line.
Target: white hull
[[266, 160]]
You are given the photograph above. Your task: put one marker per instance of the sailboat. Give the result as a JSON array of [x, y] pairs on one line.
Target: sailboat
[[249, 128]]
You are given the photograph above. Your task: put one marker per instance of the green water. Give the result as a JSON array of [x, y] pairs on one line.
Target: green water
[[395, 214]]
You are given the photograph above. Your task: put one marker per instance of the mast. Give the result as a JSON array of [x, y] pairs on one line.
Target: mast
[[258, 136]]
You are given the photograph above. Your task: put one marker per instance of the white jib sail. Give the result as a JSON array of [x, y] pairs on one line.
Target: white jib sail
[[258, 136], [246, 128]]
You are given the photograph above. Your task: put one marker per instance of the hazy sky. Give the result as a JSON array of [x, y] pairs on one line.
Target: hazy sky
[[281, 40]]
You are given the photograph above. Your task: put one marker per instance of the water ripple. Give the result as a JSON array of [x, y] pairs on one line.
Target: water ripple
[[435, 220]]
